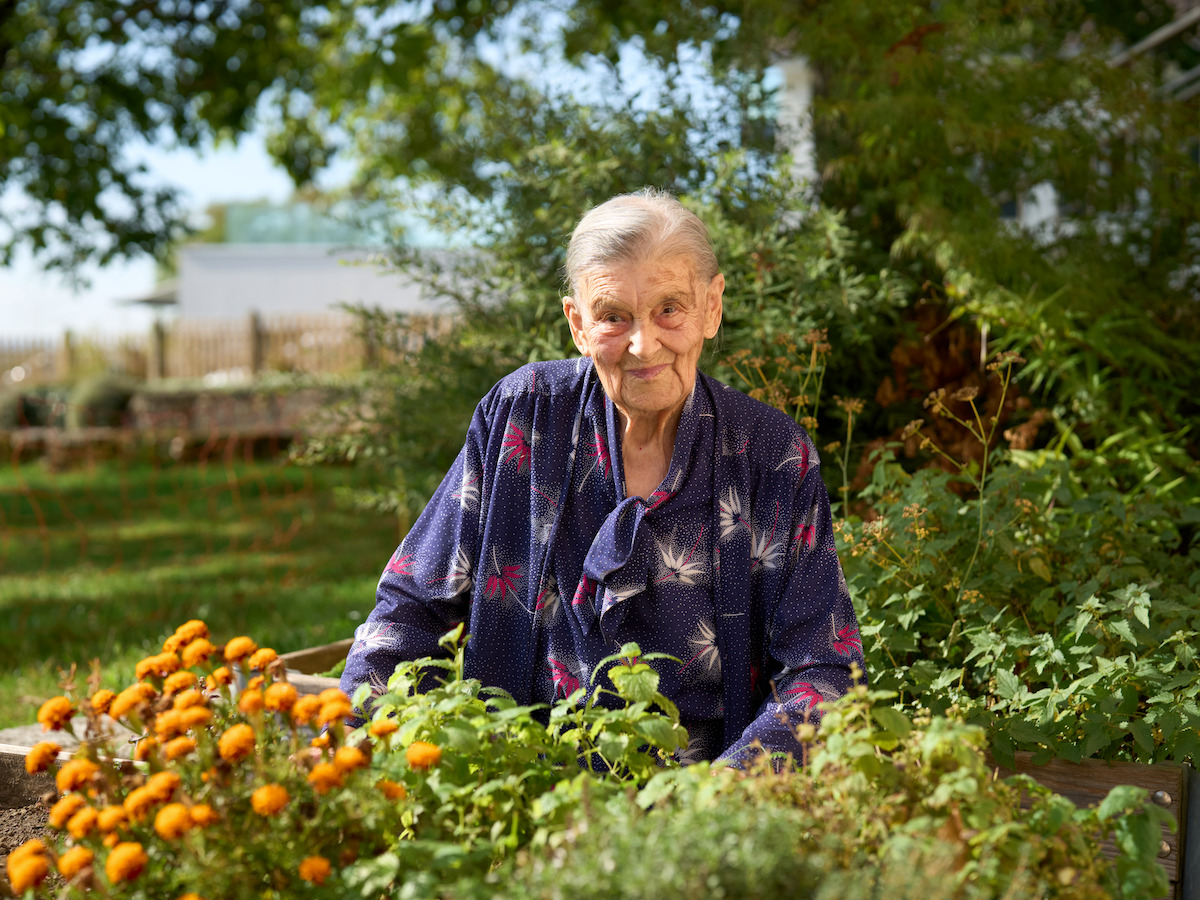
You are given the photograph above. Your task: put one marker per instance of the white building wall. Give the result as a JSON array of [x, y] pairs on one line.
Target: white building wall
[[229, 280]]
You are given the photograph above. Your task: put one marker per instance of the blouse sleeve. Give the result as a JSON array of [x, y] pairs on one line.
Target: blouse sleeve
[[425, 589], [812, 638]]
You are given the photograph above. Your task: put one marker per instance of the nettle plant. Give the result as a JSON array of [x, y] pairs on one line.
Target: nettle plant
[[1035, 593]]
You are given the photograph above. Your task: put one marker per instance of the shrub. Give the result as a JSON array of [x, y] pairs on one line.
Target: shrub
[[461, 793], [100, 401]]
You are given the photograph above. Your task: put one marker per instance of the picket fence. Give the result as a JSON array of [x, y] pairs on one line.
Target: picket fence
[[218, 350]]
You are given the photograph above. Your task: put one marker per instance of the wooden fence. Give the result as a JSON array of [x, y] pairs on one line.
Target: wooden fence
[[223, 350]]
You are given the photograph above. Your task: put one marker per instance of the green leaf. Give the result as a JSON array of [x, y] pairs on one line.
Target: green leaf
[[660, 732], [1007, 684], [892, 720]]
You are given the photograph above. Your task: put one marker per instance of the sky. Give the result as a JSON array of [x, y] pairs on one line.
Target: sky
[[34, 304]]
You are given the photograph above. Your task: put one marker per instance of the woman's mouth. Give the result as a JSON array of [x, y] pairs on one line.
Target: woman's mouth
[[647, 373]]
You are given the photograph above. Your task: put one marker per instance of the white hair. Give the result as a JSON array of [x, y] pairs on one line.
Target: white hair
[[631, 229]]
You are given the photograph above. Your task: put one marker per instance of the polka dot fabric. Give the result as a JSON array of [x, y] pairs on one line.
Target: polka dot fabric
[[729, 567]]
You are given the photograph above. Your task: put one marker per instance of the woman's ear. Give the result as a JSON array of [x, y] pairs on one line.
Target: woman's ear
[[575, 322], [714, 306]]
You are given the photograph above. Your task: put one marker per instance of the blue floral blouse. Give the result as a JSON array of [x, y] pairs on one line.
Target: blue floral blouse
[[729, 567]]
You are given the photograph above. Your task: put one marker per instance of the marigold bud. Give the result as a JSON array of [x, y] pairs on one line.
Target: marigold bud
[[324, 777], [74, 861], [306, 709], [203, 814], [40, 756], [347, 759], [239, 648], [26, 871], [423, 755], [391, 789], [260, 659], [197, 652], [250, 702], [55, 713], [102, 700], [75, 774], [179, 747], [81, 824], [179, 681], [172, 821], [125, 862], [236, 743], [269, 799], [383, 727], [110, 819], [61, 812], [315, 869], [280, 696]]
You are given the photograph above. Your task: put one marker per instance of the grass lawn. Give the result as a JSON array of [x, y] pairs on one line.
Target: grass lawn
[[103, 562]]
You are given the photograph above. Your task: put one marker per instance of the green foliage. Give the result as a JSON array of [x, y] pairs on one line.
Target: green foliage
[[887, 807], [1054, 604], [100, 401], [99, 560]]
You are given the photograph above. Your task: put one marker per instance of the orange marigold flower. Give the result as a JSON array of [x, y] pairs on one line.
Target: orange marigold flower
[[192, 630], [236, 743], [179, 681], [239, 648], [130, 699], [75, 774], [102, 700], [203, 814], [81, 824], [40, 756], [160, 665], [269, 799], [197, 652], [321, 740], [125, 862], [423, 755], [250, 702], [189, 698], [74, 861], [260, 659], [280, 696], [27, 871], [391, 789], [110, 819], [255, 683], [138, 802], [167, 724], [172, 821], [111, 840], [305, 709], [55, 713], [335, 711], [383, 727], [144, 748], [162, 785], [324, 777], [221, 676], [173, 644], [32, 847], [347, 759], [195, 717], [330, 694], [315, 869], [62, 811], [190, 895], [179, 747]]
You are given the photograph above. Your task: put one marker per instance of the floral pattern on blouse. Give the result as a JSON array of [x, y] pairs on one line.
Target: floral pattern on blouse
[[729, 567]]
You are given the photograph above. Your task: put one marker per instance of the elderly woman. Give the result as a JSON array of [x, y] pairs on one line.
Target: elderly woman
[[623, 496]]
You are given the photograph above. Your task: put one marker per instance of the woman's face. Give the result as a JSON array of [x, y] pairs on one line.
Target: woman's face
[[644, 327]]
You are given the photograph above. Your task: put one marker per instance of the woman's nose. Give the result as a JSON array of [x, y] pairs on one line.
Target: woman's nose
[[644, 339]]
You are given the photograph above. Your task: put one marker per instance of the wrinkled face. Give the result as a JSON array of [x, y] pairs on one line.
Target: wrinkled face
[[644, 327]]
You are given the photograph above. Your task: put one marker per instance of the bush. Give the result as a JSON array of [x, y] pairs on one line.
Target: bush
[[37, 407], [100, 401], [459, 793]]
